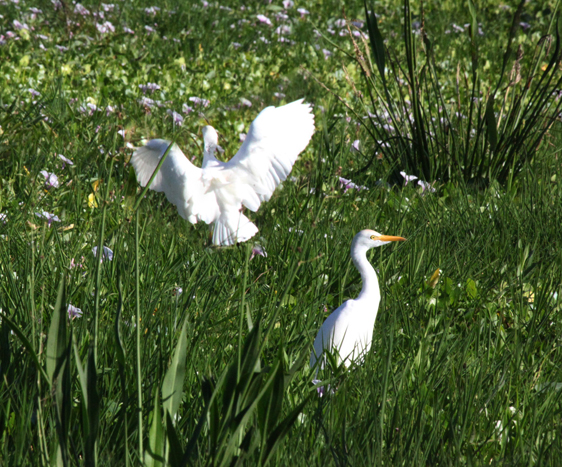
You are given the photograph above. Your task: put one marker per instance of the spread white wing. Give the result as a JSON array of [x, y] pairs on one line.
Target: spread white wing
[[275, 139], [178, 178]]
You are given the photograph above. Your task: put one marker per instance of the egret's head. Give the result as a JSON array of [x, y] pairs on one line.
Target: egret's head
[[210, 137], [371, 239]]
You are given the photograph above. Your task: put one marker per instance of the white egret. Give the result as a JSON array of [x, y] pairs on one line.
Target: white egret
[[348, 331], [217, 192]]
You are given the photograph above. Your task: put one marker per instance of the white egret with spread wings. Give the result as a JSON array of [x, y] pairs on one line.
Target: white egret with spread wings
[[217, 192]]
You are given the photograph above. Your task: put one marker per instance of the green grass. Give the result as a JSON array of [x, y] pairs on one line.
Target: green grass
[[466, 373]]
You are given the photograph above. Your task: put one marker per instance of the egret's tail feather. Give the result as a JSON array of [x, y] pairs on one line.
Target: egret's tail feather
[[229, 230]]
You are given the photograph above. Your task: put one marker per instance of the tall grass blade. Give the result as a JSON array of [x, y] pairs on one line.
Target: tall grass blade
[[56, 340], [491, 124], [93, 407], [120, 354], [138, 325]]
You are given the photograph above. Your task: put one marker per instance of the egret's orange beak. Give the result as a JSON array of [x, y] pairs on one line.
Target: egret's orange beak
[[390, 238]]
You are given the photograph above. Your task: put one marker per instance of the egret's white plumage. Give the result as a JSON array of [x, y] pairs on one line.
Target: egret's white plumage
[[216, 192], [349, 329]]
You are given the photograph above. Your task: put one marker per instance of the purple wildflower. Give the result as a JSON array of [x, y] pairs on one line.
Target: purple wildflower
[[105, 27], [73, 312], [349, 185], [283, 29], [303, 12], [19, 26], [152, 10], [3, 218], [50, 218], [107, 253], [355, 145], [320, 389], [245, 102], [149, 87], [178, 119], [408, 178], [65, 161], [258, 250], [147, 102], [199, 101], [128, 30], [34, 93], [186, 109], [81, 10], [51, 180], [288, 4], [264, 19], [327, 53], [426, 186]]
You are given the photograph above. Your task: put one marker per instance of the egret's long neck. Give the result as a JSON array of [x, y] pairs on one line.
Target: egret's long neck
[[209, 159], [370, 290]]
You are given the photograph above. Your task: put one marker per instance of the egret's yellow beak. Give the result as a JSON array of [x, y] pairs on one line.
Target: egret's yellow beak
[[390, 238]]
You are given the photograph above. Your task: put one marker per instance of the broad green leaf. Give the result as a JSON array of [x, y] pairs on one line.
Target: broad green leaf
[[172, 387], [471, 289], [154, 455]]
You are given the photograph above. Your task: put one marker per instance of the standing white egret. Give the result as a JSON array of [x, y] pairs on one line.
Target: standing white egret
[[349, 329], [216, 192]]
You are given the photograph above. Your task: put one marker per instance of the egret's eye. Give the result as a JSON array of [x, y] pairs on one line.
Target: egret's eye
[[373, 237]]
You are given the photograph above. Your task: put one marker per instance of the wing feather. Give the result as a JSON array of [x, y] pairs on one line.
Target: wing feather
[[275, 139], [178, 178]]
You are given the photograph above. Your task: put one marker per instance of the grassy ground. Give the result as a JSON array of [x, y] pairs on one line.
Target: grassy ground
[[464, 371]]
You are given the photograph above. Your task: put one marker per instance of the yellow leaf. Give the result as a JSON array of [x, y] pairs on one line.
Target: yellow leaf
[[31, 225], [92, 201], [96, 185], [24, 34], [66, 69], [24, 61], [432, 282], [68, 227]]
